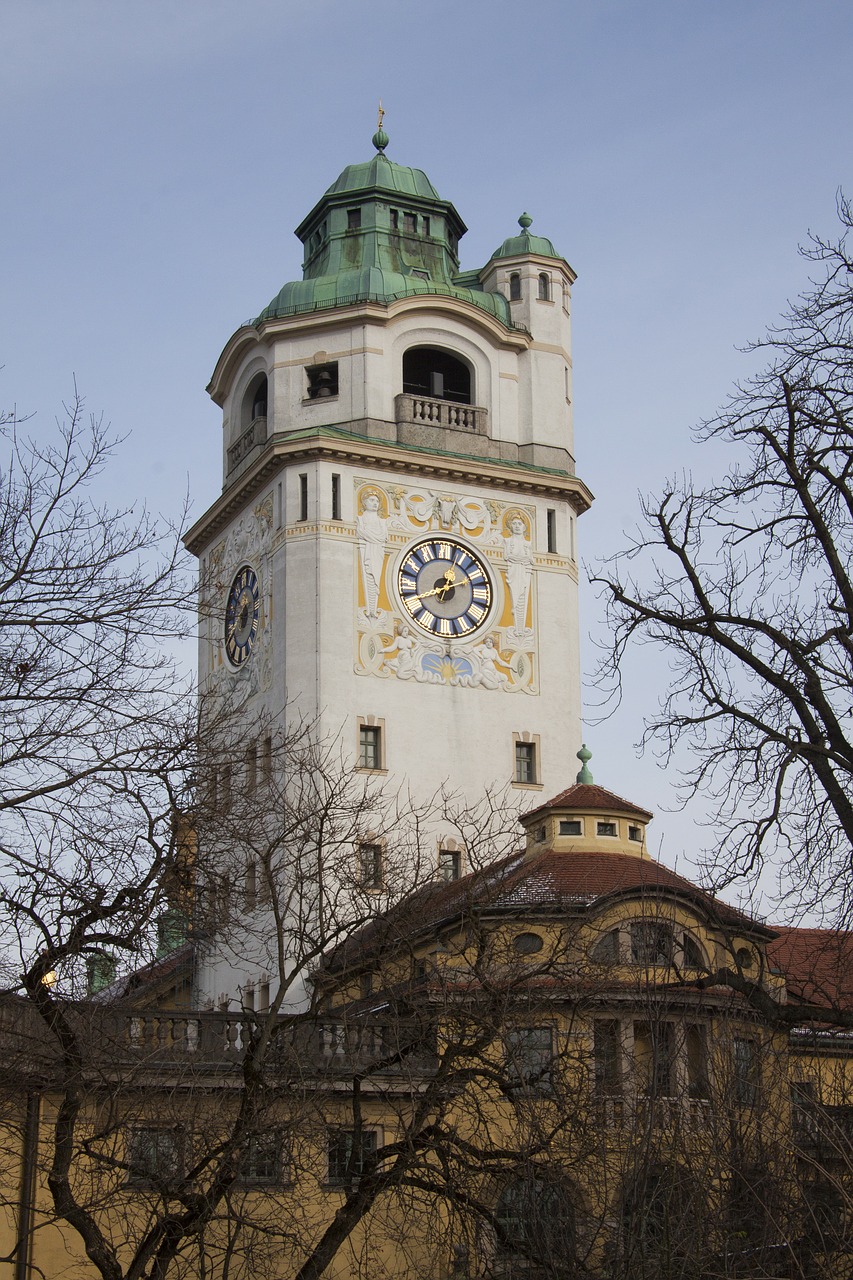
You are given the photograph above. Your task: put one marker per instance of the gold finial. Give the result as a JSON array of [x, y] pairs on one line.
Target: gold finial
[[381, 115]]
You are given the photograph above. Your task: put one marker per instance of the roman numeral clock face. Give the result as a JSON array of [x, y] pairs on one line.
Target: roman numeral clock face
[[242, 615], [444, 588]]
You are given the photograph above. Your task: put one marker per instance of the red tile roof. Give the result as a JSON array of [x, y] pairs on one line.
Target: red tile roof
[[556, 881], [587, 795], [818, 965]]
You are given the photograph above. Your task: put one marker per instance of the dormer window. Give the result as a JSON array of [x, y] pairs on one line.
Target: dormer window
[[544, 287], [635, 833], [571, 827], [514, 287], [605, 828]]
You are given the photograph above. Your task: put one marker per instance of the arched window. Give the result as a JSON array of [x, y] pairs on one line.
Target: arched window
[[544, 287], [437, 374], [663, 1221], [536, 1228], [254, 400], [514, 287]]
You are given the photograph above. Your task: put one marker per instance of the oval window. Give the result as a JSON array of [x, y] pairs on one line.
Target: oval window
[[527, 944]]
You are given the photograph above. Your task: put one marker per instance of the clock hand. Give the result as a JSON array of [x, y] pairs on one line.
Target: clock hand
[[438, 589]]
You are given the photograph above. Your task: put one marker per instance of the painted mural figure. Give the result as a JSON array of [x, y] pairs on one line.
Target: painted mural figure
[[371, 531], [519, 566]]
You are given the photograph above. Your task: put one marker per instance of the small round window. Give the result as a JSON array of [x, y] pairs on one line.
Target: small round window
[[527, 944]]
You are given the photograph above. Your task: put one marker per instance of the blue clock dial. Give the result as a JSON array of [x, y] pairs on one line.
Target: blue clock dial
[[242, 615], [444, 588]]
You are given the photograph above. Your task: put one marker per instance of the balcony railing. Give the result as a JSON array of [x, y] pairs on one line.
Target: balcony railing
[[827, 1131], [172, 1041], [422, 411], [662, 1114], [254, 434]]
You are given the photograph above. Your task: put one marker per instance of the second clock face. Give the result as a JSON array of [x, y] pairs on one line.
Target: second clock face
[[445, 588], [242, 615]]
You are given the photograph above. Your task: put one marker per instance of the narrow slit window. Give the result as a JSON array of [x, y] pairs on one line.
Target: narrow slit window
[[303, 497], [551, 531], [336, 497]]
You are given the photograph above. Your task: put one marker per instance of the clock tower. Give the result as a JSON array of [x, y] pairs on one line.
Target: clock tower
[[393, 557]]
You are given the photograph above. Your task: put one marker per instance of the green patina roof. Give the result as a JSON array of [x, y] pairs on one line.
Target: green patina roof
[[523, 244], [378, 261], [383, 174]]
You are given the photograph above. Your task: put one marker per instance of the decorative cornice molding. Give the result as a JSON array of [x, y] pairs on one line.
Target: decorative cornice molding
[[339, 446]]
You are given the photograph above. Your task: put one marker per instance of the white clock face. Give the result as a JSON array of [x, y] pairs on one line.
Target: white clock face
[[444, 588]]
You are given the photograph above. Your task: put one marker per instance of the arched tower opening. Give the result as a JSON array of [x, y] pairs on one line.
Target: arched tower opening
[[429, 371]]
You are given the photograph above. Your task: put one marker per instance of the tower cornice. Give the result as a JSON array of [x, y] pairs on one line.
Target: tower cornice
[[343, 446]]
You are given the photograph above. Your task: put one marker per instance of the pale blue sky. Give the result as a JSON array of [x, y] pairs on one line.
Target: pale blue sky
[[157, 155]]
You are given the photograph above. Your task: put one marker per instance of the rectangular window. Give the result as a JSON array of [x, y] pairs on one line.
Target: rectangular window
[[654, 1058], [261, 1162], [154, 1156], [370, 858], [607, 1055], [605, 828], [697, 1062], [410, 224], [264, 998], [635, 833], [322, 380], [303, 497], [449, 864], [395, 220], [551, 530], [426, 226], [571, 827], [250, 887], [353, 219], [250, 764], [745, 1071], [525, 762], [351, 1154], [530, 1058], [369, 746], [336, 497], [266, 761]]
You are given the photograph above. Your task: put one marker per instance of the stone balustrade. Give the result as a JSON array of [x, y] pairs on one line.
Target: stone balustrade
[[422, 411]]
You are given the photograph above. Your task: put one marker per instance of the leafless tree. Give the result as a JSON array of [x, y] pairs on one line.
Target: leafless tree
[[746, 586]]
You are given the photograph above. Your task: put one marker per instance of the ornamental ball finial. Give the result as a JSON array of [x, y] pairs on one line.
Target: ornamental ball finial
[[525, 221], [584, 755], [380, 137]]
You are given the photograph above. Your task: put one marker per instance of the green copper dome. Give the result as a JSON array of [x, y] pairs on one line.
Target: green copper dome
[[383, 174], [381, 232], [521, 245]]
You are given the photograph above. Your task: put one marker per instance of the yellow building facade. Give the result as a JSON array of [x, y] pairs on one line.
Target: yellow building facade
[[571, 1063]]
